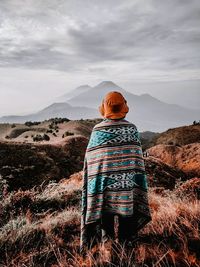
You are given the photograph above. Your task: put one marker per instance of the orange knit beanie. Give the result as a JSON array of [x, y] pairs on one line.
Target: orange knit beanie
[[114, 106]]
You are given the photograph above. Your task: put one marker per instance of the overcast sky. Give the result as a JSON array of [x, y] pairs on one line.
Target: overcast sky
[[48, 47]]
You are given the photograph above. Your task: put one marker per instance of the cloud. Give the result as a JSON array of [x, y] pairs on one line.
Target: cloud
[[75, 35]]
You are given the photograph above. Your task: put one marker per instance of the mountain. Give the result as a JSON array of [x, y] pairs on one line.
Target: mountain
[[73, 93], [146, 111], [63, 110], [94, 95]]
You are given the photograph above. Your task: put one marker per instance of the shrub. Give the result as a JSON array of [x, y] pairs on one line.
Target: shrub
[[46, 137], [37, 138], [170, 143], [30, 123], [67, 133], [40, 137], [60, 120], [55, 121]]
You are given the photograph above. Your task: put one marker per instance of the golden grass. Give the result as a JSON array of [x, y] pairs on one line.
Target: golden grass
[[50, 237]]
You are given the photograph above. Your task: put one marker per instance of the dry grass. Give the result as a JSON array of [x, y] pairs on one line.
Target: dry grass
[[182, 135], [185, 158], [37, 232]]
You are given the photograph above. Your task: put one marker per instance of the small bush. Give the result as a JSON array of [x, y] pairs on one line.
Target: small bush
[[37, 138], [30, 123], [59, 120], [46, 137], [67, 133], [40, 137], [53, 125], [170, 143]]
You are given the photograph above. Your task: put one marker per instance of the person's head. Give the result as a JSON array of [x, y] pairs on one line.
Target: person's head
[[114, 106]]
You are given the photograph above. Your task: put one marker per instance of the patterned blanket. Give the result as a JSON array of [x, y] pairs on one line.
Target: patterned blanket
[[114, 177]]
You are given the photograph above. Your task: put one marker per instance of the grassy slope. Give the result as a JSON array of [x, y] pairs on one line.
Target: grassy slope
[[41, 227], [180, 135], [23, 133]]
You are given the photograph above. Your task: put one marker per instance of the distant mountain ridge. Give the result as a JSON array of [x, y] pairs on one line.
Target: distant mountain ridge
[[64, 110], [72, 93], [146, 111]]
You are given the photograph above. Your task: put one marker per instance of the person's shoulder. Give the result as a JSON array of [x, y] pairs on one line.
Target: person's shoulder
[[110, 123], [131, 124], [98, 125]]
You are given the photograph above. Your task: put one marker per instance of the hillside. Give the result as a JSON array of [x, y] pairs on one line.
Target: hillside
[[185, 158], [40, 200], [42, 224], [179, 136], [179, 147], [56, 130], [27, 165]]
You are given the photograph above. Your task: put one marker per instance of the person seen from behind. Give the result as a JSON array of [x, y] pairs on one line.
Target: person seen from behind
[[114, 178]]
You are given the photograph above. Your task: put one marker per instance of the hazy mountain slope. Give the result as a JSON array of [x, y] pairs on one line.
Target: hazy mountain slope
[[73, 93], [146, 111], [64, 110], [184, 93], [93, 97]]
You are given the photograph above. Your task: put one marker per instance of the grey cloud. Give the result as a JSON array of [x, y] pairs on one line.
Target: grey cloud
[[160, 35], [157, 34], [92, 69]]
